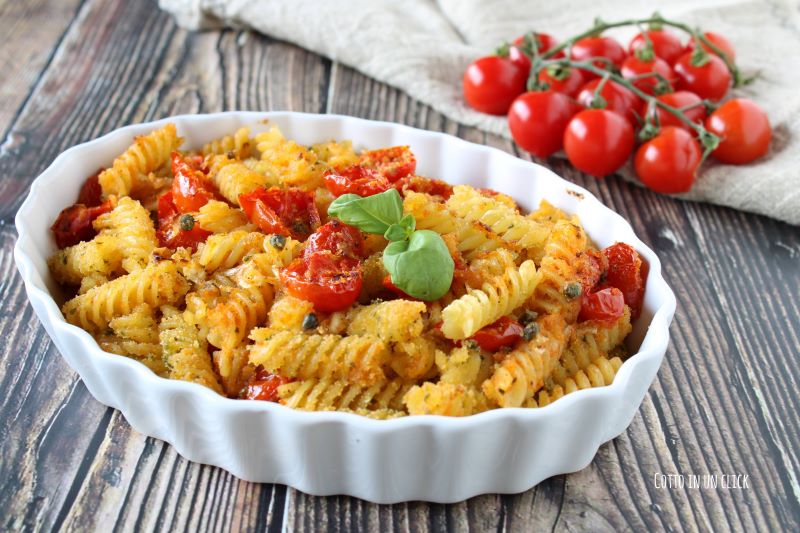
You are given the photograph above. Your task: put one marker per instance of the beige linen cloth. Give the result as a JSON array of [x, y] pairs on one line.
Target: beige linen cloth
[[423, 46]]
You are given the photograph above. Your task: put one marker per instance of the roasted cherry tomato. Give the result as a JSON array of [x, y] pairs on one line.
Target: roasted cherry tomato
[[598, 141], [74, 224], [491, 83], [430, 186], [537, 121], [392, 163], [666, 44], [176, 229], [637, 71], [91, 194], [720, 41], [605, 305], [709, 80], [615, 96], [519, 52], [565, 80], [592, 47], [288, 212], [338, 238], [668, 162], [330, 283], [680, 99], [591, 266], [355, 179], [263, 386], [191, 189], [626, 271], [503, 332], [744, 129]]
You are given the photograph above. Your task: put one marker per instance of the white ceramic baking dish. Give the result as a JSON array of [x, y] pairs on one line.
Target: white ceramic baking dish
[[428, 458]]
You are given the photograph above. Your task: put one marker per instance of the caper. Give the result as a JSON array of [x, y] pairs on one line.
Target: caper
[[310, 321], [187, 222], [277, 241], [573, 290], [530, 331]]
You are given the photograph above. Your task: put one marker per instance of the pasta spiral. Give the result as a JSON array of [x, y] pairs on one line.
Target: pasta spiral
[[238, 145], [357, 358], [219, 217], [99, 257], [521, 374], [496, 298], [145, 155], [335, 395], [443, 398], [135, 335], [155, 285], [130, 225], [293, 164], [237, 311], [392, 321], [414, 358], [226, 250], [185, 351], [599, 373], [234, 179]]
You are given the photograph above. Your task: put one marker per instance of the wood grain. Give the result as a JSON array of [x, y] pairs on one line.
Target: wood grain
[[724, 402]]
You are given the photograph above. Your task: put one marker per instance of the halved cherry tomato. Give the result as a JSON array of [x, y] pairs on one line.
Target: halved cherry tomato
[[537, 120], [338, 238], [191, 189], [387, 283], [666, 44], [91, 194], [593, 47], [718, 40], [605, 305], [491, 83], [633, 67], [626, 272], [74, 223], [598, 141], [355, 179], [591, 266], [616, 97], [171, 232], [504, 332], [709, 80], [745, 131], [288, 212], [391, 163], [330, 283], [680, 99], [263, 386], [430, 186], [668, 162], [519, 54], [562, 79]]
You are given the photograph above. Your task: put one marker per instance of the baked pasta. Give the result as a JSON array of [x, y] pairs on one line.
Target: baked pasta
[[327, 278]]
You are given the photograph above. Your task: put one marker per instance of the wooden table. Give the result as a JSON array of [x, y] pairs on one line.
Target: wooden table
[[725, 401]]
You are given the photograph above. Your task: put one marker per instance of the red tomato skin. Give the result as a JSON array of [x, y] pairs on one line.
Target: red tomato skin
[[711, 80], [618, 98], [720, 41], [289, 212], [263, 386], [544, 43], [328, 282], [626, 272], [491, 83], [504, 332], [191, 190], [590, 47], [666, 44], [430, 186], [91, 194], [170, 234], [74, 223], [355, 179], [518, 57], [338, 238], [392, 163], [744, 129], [389, 284], [591, 266], [633, 66], [680, 99], [605, 305], [668, 162], [598, 141], [571, 85], [537, 121]]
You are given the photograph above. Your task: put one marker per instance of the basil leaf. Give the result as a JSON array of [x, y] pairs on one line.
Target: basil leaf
[[409, 223], [420, 266], [372, 214], [396, 232]]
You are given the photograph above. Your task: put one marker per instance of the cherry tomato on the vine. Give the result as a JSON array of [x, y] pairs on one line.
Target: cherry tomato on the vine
[[562, 79], [744, 129], [666, 44], [598, 141], [330, 283], [503, 332], [633, 67], [592, 47], [709, 80], [627, 272], [518, 53], [605, 305], [668, 162], [491, 83], [537, 121], [616, 97], [680, 99], [718, 40]]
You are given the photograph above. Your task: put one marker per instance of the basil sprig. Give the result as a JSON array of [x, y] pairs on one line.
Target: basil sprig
[[417, 260]]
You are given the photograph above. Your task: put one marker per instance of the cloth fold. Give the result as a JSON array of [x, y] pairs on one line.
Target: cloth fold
[[423, 47]]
